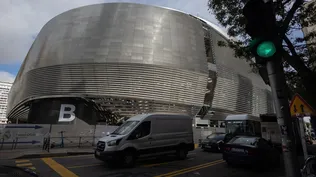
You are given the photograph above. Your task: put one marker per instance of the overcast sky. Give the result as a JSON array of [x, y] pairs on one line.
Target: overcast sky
[[21, 21]]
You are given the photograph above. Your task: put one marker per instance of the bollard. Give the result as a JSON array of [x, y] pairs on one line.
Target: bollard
[[2, 143], [44, 144], [79, 141], [12, 144], [16, 142]]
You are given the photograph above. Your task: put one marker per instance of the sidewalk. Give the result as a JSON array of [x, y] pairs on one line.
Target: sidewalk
[[39, 153]]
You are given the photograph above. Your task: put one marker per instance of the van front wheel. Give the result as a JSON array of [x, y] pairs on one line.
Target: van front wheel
[[182, 153], [129, 159]]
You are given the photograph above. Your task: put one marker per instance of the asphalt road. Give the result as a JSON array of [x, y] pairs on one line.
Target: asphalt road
[[198, 164]]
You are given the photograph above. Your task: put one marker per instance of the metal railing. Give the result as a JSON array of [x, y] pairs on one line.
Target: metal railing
[[53, 142], [70, 141]]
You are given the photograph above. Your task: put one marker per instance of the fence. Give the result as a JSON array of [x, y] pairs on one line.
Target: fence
[[20, 136], [203, 132]]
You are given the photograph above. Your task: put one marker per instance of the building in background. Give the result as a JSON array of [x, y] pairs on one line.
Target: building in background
[[114, 60], [4, 92]]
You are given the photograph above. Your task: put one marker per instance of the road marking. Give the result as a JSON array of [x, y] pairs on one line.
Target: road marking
[[155, 164], [190, 169], [21, 161], [74, 156], [194, 169], [82, 166], [24, 164], [61, 170], [162, 163]]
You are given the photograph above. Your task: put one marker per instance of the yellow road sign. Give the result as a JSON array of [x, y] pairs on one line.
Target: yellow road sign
[[299, 107]]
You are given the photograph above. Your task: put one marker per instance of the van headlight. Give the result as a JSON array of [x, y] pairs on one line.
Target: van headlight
[[114, 142]]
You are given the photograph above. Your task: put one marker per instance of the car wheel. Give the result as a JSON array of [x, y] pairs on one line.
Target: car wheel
[[229, 163], [277, 162], [129, 159], [182, 153]]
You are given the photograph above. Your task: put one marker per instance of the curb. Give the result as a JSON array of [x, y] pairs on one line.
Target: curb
[[31, 156]]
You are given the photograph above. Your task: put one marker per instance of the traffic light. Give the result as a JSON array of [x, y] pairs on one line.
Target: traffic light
[[261, 27]]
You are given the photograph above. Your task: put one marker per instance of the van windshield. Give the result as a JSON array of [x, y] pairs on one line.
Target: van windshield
[[125, 128]]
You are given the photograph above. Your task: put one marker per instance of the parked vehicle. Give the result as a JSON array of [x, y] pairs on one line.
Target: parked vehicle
[[147, 135], [309, 169], [213, 142], [241, 124], [253, 151]]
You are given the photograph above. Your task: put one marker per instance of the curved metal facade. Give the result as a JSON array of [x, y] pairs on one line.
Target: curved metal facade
[[156, 57]]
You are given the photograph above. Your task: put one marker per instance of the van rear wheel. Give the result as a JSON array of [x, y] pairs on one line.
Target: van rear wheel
[[182, 153]]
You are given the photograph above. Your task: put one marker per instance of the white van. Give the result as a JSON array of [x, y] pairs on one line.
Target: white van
[[147, 135]]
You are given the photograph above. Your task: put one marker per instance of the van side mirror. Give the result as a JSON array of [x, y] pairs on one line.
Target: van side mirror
[[138, 135], [135, 135]]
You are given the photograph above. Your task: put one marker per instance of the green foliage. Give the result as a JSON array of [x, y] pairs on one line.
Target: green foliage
[[299, 56], [110, 117]]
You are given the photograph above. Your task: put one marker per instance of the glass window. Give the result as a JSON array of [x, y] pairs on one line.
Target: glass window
[[213, 123], [145, 128], [125, 128], [216, 136], [235, 127], [142, 130], [244, 141]]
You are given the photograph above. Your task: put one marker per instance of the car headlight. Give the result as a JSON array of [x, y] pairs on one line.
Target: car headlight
[[114, 142]]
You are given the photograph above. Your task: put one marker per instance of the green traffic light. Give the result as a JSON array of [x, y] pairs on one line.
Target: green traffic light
[[266, 49]]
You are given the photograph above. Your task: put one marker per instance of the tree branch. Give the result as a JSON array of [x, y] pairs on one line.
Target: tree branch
[[283, 4], [290, 46], [297, 64], [290, 16]]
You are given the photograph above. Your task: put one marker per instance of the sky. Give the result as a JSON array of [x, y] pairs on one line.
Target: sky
[[22, 20]]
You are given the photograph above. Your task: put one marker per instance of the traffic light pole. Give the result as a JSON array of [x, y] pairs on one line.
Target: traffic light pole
[[279, 93]]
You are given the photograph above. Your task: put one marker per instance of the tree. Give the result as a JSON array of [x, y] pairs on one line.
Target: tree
[[299, 57], [110, 117]]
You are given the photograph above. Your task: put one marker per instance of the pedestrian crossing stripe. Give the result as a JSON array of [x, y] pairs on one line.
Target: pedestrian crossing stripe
[[21, 161], [25, 164]]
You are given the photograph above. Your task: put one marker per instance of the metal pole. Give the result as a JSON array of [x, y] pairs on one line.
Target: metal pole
[[279, 94], [302, 134], [95, 127], [49, 133]]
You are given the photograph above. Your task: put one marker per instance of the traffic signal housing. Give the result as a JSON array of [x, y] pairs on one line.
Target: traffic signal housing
[[261, 27]]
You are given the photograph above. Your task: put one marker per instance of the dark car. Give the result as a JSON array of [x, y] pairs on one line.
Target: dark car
[[213, 142], [254, 151]]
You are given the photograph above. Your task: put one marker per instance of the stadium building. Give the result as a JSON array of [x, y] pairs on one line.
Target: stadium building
[[121, 59]]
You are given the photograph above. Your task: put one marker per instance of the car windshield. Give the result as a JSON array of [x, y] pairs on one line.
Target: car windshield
[[125, 128], [216, 136], [244, 141]]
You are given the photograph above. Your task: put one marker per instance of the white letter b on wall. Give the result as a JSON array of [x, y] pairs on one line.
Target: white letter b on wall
[[64, 114]]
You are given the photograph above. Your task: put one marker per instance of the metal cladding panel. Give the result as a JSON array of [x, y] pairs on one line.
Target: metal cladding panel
[[236, 93], [117, 49], [120, 80], [128, 33], [238, 89]]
